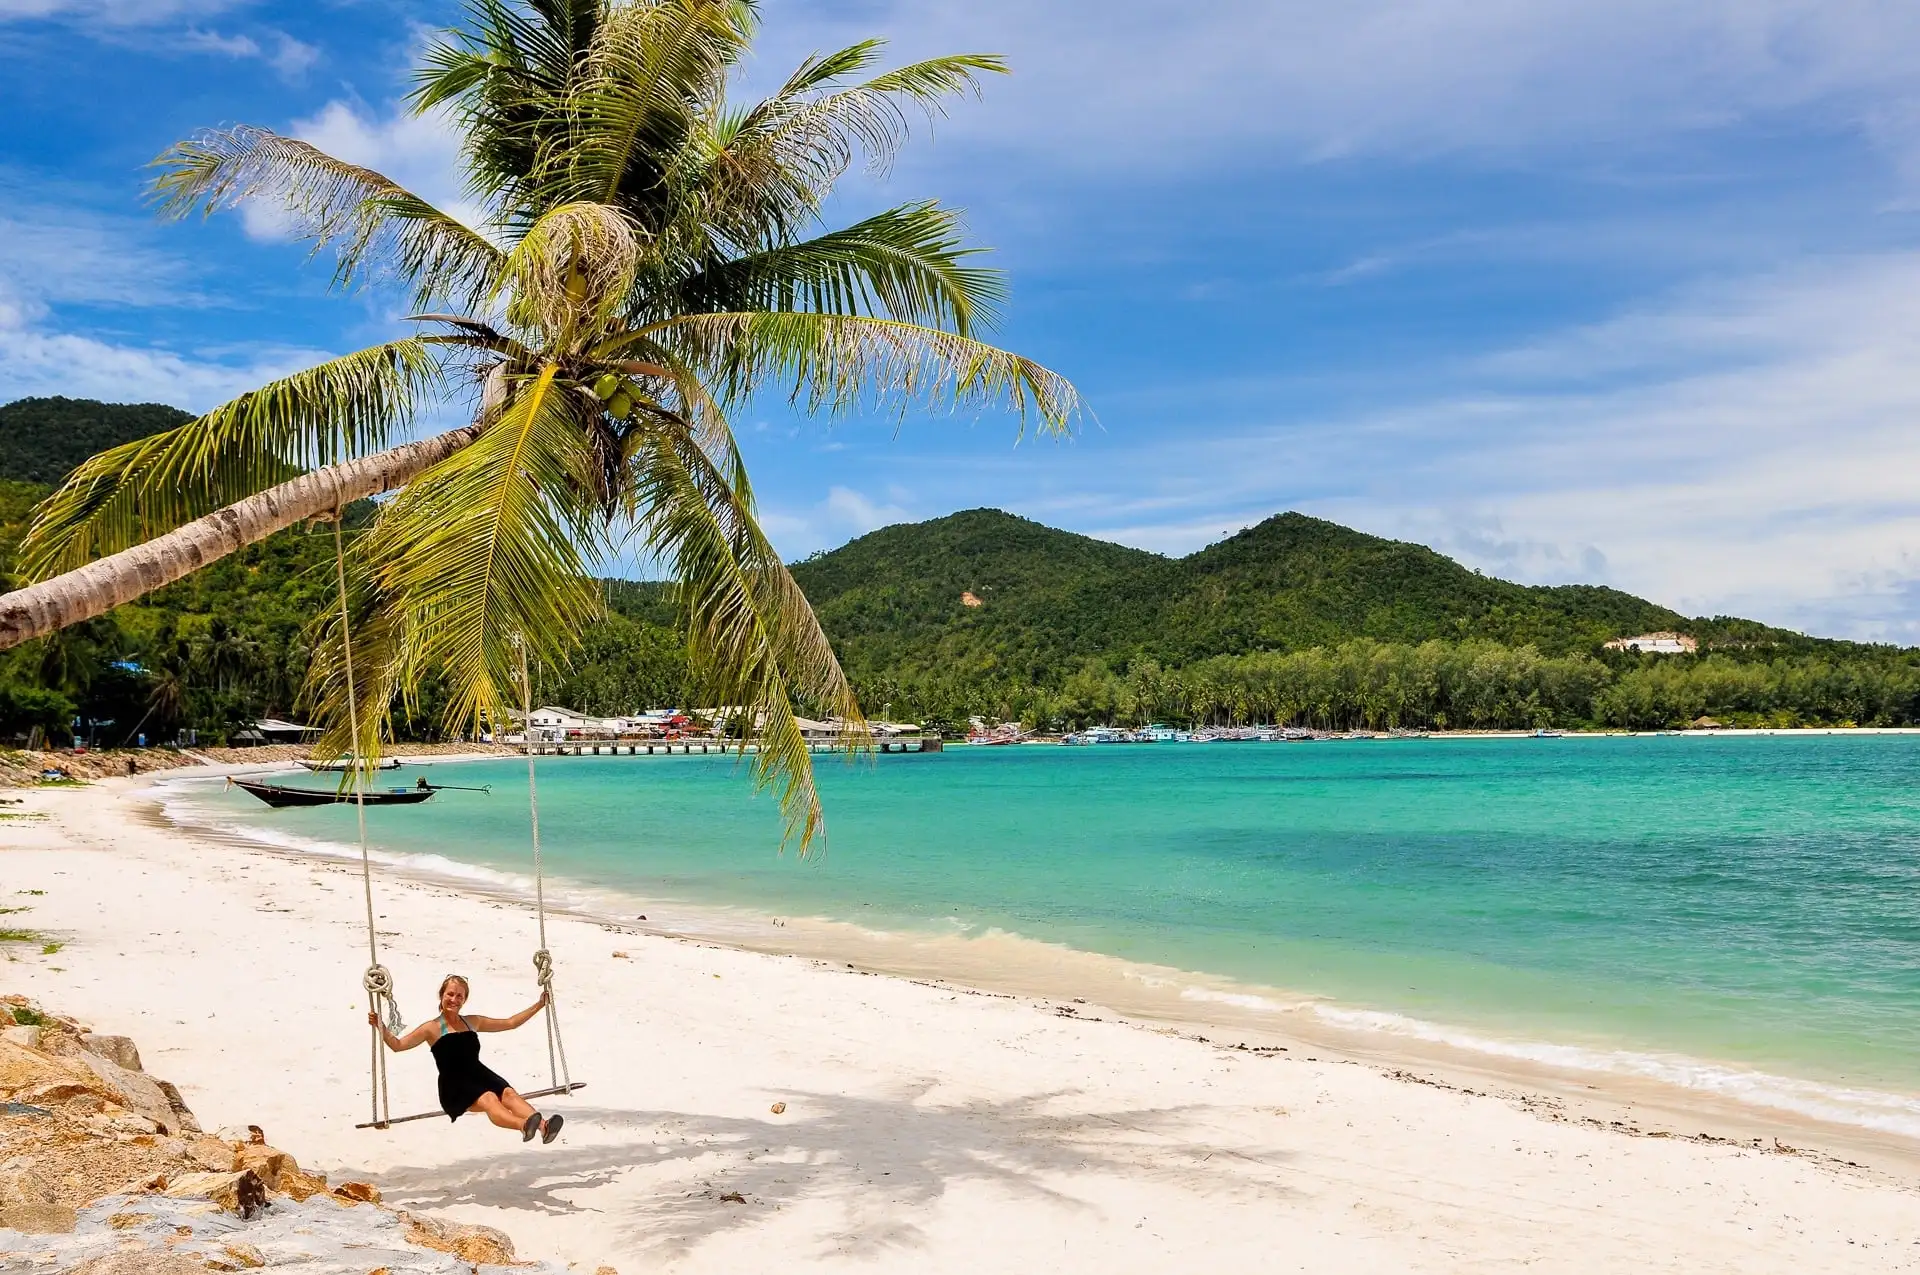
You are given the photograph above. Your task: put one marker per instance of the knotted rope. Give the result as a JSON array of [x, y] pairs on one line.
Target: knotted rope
[[378, 979], [542, 959]]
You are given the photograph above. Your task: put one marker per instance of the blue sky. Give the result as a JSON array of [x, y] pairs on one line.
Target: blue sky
[[1595, 290]]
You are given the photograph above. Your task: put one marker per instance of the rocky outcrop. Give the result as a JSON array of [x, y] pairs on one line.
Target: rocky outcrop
[[103, 1171], [481, 1245], [138, 1093], [129, 1234], [27, 1202], [118, 1050]]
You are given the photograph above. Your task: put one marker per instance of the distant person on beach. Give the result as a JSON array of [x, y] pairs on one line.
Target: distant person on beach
[[466, 1083]]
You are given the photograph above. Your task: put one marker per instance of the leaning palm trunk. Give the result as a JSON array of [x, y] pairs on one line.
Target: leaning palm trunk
[[100, 586], [648, 259]]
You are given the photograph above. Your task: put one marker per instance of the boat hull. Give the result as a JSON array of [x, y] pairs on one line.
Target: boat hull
[[280, 797]]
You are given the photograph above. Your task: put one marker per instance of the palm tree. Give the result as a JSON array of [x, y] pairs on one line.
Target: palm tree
[[650, 258]]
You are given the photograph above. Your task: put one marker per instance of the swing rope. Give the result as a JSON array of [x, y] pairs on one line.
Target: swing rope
[[542, 959], [378, 979]]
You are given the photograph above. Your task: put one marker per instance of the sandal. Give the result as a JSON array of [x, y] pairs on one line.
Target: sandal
[[531, 1127], [552, 1129]]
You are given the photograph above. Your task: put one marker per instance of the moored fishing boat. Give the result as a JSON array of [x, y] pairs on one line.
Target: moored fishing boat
[[281, 796], [1005, 733]]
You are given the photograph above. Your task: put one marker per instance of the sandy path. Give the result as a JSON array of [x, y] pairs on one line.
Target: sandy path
[[925, 1127]]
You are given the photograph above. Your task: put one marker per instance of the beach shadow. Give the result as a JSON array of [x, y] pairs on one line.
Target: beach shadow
[[886, 1160]]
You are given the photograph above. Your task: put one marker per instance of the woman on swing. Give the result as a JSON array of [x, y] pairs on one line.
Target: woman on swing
[[467, 1084]]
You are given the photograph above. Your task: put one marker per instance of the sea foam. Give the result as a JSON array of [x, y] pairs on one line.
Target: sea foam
[[1865, 1108]]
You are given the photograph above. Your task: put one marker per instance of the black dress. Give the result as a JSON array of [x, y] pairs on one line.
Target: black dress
[[463, 1077]]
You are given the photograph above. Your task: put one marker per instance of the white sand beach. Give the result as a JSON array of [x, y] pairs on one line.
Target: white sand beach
[[926, 1127]]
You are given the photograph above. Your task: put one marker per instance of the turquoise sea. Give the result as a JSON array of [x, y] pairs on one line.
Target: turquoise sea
[[1738, 912]]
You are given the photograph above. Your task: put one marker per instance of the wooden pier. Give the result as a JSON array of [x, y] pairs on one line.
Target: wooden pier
[[703, 747]]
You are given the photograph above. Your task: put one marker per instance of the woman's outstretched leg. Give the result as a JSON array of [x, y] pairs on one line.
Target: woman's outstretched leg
[[549, 1126], [507, 1110]]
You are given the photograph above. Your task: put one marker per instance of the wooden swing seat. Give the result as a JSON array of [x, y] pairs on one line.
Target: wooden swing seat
[[557, 1091]]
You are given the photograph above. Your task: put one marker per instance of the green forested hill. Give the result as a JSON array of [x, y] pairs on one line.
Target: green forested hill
[[895, 601], [892, 600], [1296, 619], [1294, 582], [43, 439]]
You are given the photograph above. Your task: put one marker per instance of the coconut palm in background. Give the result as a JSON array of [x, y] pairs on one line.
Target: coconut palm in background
[[649, 258]]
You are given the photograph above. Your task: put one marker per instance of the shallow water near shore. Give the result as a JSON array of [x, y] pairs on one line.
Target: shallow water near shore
[[1735, 914]]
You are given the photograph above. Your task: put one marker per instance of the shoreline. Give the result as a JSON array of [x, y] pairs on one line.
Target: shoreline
[[102, 764], [915, 1111], [1609, 1083]]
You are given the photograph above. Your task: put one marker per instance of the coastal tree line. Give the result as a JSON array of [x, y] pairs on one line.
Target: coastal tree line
[[218, 651], [1437, 685], [158, 669]]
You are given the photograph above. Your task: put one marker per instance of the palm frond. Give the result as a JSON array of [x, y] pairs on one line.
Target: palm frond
[[345, 407], [907, 263], [752, 636], [505, 79], [822, 69], [834, 362], [492, 545], [651, 69], [781, 159], [373, 225], [538, 43], [382, 668]]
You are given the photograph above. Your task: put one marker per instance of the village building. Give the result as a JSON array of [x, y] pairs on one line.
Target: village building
[[271, 730], [553, 724], [1656, 644]]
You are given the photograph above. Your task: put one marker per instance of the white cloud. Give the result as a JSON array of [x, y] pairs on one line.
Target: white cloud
[[134, 22], [233, 46], [113, 13], [843, 515], [290, 57], [846, 507], [36, 360], [66, 255], [53, 260], [1745, 449], [421, 152], [1155, 84]]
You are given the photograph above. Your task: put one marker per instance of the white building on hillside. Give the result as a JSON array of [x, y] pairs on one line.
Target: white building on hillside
[[1656, 644]]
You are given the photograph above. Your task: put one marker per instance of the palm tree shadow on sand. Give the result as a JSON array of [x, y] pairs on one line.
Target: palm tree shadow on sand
[[688, 1177]]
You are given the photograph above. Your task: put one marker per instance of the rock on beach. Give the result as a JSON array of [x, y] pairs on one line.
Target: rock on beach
[[104, 1171]]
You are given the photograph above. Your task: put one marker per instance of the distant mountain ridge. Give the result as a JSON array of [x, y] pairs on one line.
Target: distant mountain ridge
[[892, 599]]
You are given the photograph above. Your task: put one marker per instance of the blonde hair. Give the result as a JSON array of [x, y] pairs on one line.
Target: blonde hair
[[455, 978]]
